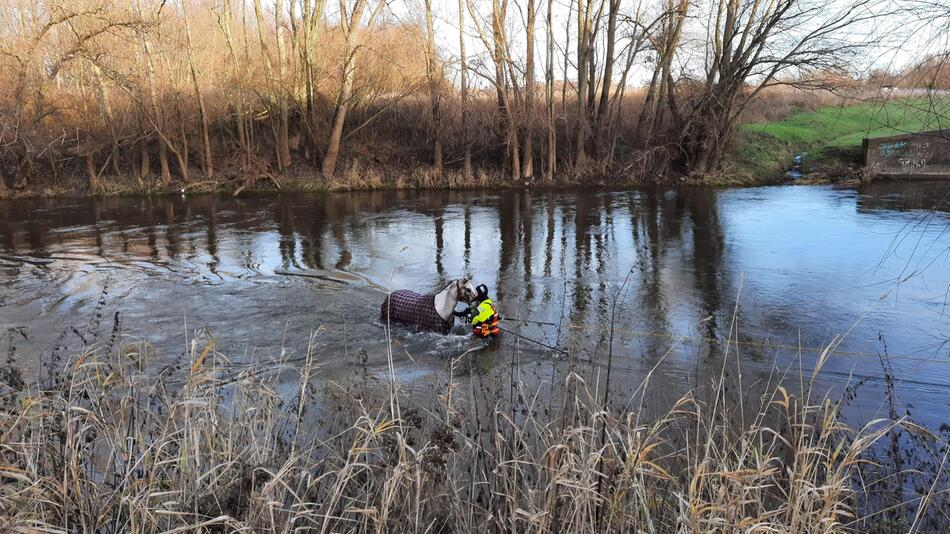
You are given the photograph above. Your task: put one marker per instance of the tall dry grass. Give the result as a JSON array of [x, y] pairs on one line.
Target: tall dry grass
[[110, 441]]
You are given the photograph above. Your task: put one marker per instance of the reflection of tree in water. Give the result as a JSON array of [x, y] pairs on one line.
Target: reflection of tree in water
[[508, 231], [172, 241], [7, 215], [646, 217], [527, 229], [548, 242], [211, 236], [149, 227], [601, 227], [439, 222], [312, 242], [708, 250], [580, 288], [657, 225], [467, 252], [287, 240], [97, 228], [337, 215]]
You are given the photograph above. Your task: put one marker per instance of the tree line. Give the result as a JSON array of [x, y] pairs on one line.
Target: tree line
[[205, 90]]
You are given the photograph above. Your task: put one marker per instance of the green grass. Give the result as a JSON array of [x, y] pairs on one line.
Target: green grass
[[831, 135]]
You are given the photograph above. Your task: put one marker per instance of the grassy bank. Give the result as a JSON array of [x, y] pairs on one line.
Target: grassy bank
[[105, 443], [830, 137]]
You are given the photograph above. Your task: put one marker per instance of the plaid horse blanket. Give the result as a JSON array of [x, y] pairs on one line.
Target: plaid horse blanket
[[412, 309]]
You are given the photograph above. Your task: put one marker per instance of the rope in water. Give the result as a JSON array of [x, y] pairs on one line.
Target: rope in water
[[545, 345], [746, 343]]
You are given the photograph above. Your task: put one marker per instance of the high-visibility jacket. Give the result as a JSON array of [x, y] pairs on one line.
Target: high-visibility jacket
[[483, 312]]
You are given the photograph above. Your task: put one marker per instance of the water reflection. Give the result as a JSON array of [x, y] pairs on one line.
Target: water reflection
[[686, 268]]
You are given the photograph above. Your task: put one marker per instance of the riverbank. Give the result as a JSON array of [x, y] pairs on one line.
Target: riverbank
[[355, 178], [104, 445], [828, 140]]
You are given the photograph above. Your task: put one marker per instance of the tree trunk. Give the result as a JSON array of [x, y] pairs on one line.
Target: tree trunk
[[283, 139], [156, 114], [105, 109], [311, 14], [91, 172], [567, 57], [648, 112], [145, 162], [237, 70], [652, 110], [274, 84], [351, 29], [583, 26], [463, 67], [181, 155], [434, 96], [527, 166], [506, 115], [602, 107], [549, 97], [202, 112]]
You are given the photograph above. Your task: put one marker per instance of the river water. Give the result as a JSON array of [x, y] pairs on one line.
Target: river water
[[784, 270]]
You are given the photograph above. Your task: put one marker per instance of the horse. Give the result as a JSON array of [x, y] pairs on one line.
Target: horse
[[433, 312]]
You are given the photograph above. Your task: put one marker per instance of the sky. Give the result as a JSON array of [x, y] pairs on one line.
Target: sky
[[900, 38]]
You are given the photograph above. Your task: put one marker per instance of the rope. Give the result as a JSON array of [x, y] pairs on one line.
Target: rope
[[545, 345], [759, 344]]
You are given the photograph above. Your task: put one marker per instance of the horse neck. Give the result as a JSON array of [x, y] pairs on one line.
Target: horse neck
[[446, 300]]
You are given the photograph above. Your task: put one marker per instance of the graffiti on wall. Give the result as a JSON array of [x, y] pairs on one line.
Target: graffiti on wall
[[911, 156]]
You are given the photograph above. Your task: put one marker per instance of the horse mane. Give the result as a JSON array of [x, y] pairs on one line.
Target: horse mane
[[448, 285]]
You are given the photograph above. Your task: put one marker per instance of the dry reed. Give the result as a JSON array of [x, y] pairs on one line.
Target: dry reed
[[111, 442]]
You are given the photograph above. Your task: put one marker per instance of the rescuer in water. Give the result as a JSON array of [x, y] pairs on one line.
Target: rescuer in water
[[482, 314]]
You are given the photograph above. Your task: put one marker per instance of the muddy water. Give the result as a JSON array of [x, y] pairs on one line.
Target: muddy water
[[785, 270]]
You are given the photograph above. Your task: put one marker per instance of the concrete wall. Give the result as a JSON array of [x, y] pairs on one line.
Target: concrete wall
[[924, 154]]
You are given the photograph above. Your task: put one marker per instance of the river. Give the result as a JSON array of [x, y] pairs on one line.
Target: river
[[784, 270]]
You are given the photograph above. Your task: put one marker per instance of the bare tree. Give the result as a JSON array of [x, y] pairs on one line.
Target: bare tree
[[236, 86], [202, 112], [352, 25], [527, 166], [311, 13], [435, 82], [276, 81], [607, 78], [666, 44], [497, 46], [156, 116], [463, 75], [549, 96], [584, 32], [751, 45], [500, 58]]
